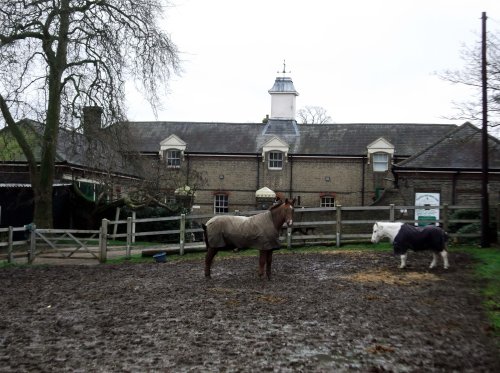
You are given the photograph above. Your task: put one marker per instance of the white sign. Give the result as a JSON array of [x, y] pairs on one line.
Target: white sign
[[427, 215]]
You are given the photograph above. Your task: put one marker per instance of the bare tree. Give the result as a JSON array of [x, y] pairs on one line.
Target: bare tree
[[313, 115], [57, 56], [470, 75]]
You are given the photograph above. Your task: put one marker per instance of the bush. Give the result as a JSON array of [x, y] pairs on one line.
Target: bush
[[472, 228]]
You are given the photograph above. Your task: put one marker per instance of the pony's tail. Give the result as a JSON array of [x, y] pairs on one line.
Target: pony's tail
[[445, 240], [205, 235]]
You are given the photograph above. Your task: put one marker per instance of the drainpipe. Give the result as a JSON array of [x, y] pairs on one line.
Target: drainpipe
[[454, 188], [363, 180], [290, 193], [188, 169], [258, 173]]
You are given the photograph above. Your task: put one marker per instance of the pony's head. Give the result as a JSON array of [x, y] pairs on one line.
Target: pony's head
[[377, 233]]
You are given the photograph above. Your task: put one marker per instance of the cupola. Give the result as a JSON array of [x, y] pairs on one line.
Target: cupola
[[283, 96]]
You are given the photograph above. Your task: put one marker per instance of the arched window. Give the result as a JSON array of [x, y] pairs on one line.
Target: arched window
[[327, 200]]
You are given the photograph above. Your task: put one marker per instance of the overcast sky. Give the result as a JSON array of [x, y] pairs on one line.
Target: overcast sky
[[362, 60]]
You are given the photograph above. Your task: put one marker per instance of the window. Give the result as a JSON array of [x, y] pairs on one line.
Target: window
[[170, 199], [327, 201], [380, 162], [173, 157], [221, 203], [275, 160]]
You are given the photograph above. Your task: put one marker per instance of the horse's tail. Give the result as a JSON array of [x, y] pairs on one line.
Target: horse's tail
[[205, 234]]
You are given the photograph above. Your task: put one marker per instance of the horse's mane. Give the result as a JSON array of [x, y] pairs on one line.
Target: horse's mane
[[280, 203]]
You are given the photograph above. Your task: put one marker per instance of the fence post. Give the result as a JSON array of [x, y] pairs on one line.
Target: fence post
[[288, 237], [31, 252], [446, 211], [10, 256], [103, 241], [129, 236], [134, 216], [498, 222], [339, 224], [115, 227], [391, 212], [182, 234]]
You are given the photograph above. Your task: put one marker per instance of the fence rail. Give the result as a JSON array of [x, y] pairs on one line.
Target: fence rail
[[335, 225]]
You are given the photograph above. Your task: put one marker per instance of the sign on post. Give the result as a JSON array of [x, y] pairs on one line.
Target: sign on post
[[427, 215]]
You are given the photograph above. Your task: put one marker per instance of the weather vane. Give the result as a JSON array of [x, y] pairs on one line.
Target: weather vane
[[284, 69]]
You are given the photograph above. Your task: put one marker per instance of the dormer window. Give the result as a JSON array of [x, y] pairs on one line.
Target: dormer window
[[379, 153], [275, 151], [380, 162], [173, 158], [172, 151], [275, 161]]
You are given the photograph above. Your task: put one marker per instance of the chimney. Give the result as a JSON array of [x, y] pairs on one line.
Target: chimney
[[91, 120]]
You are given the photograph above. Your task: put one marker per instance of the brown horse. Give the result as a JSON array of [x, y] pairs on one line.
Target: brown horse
[[260, 231]]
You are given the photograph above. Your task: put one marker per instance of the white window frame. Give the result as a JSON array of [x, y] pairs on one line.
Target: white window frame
[[327, 201], [275, 160], [380, 165], [173, 158], [221, 203]]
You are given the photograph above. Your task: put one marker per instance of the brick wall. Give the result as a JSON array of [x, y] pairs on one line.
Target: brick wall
[[307, 178]]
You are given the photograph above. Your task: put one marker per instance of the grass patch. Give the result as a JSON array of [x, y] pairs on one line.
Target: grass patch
[[6, 264], [487, 269]]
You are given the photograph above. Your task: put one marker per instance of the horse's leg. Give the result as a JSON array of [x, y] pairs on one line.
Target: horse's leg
[[209, 257], [262, 262], [403, 261], [444, 255], [434, 260], [269, 261]]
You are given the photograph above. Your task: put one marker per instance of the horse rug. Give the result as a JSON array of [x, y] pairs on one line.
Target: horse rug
[[256, 231], [415, 238]]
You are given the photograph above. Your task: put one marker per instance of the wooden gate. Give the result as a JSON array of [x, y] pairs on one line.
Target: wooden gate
[[63, 243]]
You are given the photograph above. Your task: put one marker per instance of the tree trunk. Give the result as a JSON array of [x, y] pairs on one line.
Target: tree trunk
[[42, 200], [43, 187]]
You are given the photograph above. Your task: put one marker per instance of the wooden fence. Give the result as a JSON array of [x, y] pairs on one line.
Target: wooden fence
[[334, 225]]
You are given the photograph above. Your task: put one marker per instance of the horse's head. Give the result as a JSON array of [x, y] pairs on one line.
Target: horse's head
[[282, 213], [288, 208], [377, 233]]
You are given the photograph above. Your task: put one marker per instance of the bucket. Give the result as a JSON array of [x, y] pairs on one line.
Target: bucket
[[160, 257]]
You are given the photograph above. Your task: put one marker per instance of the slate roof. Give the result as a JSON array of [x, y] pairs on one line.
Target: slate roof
[[349, 139], [459, 149], [73, 148]]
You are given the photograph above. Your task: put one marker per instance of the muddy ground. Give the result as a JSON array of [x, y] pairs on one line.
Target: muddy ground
[[338, 311]]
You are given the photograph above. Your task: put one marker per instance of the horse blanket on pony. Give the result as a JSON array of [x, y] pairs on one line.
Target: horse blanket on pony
[[241, 232], [415, 238]]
